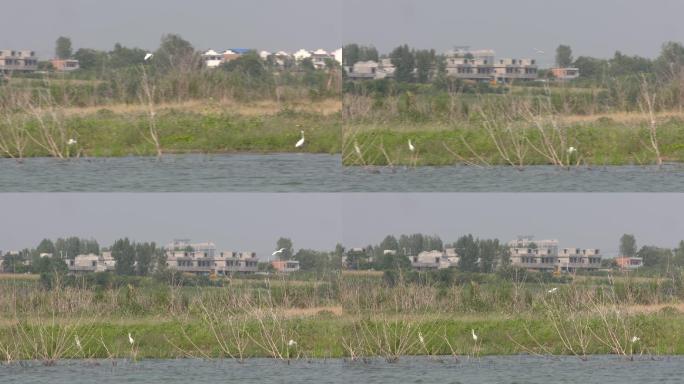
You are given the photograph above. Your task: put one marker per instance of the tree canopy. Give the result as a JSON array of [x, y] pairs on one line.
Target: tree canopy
[[63, 48]]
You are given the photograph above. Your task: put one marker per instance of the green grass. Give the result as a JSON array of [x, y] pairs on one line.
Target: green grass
[[324, 317], [598, 143], [322, 336], [109, 134]]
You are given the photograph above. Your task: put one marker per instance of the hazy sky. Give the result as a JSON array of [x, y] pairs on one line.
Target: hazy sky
[[512, 28], [218, 24], [515, 28], [254, 221]]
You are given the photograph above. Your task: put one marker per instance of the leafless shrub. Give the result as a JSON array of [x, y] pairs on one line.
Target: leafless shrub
[[647, 105], [147, 98]]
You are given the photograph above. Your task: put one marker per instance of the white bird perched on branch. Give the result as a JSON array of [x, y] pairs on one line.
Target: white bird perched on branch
[[474, 335], [411, 147], [291, 343], [278, 252], [78, 342], [301, 141], [635, 339], [71, 142], [148, 56], [572, 150], [130, 338], [552, 290]]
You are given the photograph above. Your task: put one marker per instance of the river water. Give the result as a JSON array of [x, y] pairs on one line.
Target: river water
[[315, 173], [508, 369]]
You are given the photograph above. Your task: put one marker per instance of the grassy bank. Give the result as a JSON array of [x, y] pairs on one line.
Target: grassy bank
[[121, 130], [327, 335], [351, 316], [602, 141]]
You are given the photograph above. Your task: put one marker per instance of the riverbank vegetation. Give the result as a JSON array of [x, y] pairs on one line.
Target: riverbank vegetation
[[120, 104], [376, 307], [624, 110], [339, 315]]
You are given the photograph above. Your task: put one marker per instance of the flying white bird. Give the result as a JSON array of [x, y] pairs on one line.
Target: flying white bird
[[572, 150], [420, 337], [78, 342], [635, 339], [291, 343], [411, 147], [71, 142], [474, 335], [148, 56], [539, 51], [130, 338], [552, 290], [278, 252], [301, 141]]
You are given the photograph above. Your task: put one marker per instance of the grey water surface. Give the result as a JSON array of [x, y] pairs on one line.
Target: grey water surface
[[316, 173], [491, 369]]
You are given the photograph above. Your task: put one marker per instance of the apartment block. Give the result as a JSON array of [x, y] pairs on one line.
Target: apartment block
[[544, 255], [18, 61]]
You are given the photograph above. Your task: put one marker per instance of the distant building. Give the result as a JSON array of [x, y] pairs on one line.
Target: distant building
[[476, 65], [470, 69], [213, 59], [92, 263], [574, 259], [626, 262], [337, 55], [204, 259], [18, 61], [65, 65], [319, 57], [371, 70], [302, 54], [565, 74], [544, 255], [435, 259], [285, 266], [508, 70]]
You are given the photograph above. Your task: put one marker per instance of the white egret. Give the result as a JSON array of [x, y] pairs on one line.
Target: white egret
[[474, 335], [635, 339], [78, 342], [357, 149], [148, 56], [552, 290], [130, 338], [71, 142], [411, 147], [278, 252], [301, 141], [291, 343], [572, 150], [420, 337]]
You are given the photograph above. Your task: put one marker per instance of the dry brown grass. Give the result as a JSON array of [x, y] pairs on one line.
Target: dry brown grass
[[259, 108], [17, 276], [620, 117], [310, 312], [362, 273], [653, 308], [625, 118]]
